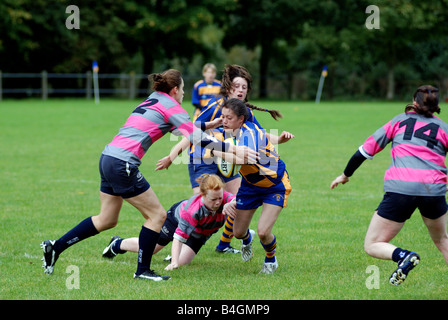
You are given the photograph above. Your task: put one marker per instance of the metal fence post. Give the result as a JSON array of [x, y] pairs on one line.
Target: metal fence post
[[89, 84], [44, 85], [132, 85]]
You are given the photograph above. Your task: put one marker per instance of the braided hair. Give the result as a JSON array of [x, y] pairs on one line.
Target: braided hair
[[233, 71], [427, 101]]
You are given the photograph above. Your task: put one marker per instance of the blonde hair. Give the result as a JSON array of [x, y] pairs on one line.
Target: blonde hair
[[208, 66], [209, 182]]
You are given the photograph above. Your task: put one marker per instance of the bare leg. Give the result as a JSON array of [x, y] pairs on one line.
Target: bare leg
[[150, 207], [269, 215], [131, 245], [437, 231], [242, 222], [381, 231], [110, 210]]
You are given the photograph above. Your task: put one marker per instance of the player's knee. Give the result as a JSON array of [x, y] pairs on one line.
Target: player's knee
[[102, 224], [239, 234], [263, 234], [159, 218], [368, 248]]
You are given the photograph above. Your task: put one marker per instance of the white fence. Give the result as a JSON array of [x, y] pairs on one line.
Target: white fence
[[125, 85]]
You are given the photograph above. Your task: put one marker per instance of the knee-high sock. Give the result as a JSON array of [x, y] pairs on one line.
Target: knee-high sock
[[227, 234], [83, 230], [247, 238], [147, 241], [270, 250]]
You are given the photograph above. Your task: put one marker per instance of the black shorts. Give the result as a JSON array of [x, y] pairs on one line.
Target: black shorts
[[399, 207], [120, 178], [169, 228]]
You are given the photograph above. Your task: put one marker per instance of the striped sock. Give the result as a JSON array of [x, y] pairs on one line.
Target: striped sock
[[270, 250], [247, 238], [227, 234]]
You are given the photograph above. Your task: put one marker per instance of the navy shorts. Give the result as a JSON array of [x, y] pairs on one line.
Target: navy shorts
[[399, 207], [169, 228], [120, 178], [197, 170], [251, 197]]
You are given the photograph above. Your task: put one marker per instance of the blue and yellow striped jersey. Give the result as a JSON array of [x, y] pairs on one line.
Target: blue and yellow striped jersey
[[210, 113], [269, 169], [203, 92]]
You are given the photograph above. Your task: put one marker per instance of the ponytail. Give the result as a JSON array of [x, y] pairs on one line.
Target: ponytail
[[274, 113], [426, 100], [166, 81]]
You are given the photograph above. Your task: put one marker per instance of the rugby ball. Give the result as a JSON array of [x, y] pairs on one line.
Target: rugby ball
[[228, 169]]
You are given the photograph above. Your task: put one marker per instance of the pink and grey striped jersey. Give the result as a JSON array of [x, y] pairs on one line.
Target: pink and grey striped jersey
[[195, 220], [419, 147], [153, 118]]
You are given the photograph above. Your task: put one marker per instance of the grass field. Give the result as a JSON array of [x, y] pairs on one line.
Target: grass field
[[50, 181]]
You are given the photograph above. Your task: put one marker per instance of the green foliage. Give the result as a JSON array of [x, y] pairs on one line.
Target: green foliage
[[285, 39]]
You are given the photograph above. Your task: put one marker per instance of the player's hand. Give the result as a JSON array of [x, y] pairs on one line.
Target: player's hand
[[248, 155], [163, 163], [341, 179], [229, 209], [172, 266], [285, 137], [215, 123]]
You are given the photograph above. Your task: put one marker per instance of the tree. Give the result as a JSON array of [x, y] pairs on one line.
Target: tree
[[403, 24], [264, 23]]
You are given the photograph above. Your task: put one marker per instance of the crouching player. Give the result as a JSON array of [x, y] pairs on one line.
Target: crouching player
[[189, 224]]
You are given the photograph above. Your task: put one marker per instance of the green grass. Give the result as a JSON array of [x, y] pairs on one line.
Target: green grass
[[50, 181]]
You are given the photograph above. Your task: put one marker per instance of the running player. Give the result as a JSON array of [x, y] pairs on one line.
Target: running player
[[264, 183], [415, 179]]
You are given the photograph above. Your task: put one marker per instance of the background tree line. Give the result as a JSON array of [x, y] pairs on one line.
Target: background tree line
[[283, 43]]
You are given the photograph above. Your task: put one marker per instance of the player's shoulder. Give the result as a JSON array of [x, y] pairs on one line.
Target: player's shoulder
[[198, 83], [252, 126]]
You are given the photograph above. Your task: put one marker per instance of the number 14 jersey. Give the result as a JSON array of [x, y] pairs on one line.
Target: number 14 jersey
[[418, 151]]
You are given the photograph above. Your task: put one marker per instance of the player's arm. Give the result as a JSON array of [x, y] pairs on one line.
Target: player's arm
[[176, 247], [285, 136], [229, 207], [374, 144], [229, 157], [165, 162], [180, 119], [354, 163]]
